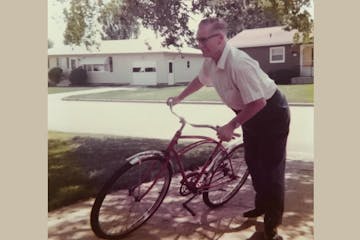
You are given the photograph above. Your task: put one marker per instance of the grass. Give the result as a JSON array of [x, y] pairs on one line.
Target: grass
[[79, 164], [303, 93]]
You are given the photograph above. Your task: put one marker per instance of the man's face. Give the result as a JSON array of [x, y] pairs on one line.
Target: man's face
[[208, 41]]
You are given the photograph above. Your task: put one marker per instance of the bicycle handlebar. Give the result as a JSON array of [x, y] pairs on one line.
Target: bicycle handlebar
[[183, 121]]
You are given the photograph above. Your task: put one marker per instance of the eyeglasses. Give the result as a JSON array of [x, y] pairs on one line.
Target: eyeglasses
[[205, 39]]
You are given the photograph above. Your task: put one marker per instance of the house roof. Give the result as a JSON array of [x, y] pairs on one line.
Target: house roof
[[121, 47], [259, 37]]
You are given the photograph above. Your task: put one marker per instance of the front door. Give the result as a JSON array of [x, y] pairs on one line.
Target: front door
[[307, 60], [171, 79], [73, 63]]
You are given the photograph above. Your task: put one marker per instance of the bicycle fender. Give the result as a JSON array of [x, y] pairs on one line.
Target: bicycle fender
[[142, 155]]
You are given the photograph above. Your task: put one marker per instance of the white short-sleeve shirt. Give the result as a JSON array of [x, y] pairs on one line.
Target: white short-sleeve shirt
[[237, 78]]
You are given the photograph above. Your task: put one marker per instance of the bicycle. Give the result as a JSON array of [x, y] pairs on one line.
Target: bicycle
[[136, 190]]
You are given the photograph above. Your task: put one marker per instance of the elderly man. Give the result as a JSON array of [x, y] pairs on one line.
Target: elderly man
[[260, 109]]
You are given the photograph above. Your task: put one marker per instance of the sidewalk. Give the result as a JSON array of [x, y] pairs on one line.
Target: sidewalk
[[171, 221]]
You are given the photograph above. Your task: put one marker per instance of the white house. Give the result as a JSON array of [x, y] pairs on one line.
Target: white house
[[134, 62]]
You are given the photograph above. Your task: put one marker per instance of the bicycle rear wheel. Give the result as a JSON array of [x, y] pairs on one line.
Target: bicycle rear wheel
[[228, 175], [130, 197]]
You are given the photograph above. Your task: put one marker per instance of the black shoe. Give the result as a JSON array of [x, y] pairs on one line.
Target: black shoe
[[253, 213], [272, 235]]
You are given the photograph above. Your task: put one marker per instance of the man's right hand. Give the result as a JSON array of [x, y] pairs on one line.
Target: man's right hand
[[171, 101]]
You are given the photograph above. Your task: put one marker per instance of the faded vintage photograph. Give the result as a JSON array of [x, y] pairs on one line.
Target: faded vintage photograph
[[179, 119]]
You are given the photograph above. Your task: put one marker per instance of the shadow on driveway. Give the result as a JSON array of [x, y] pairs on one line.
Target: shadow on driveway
[[171, 221]]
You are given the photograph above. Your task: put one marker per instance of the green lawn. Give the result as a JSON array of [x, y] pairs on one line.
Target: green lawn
[[78, 164], [303, 93]]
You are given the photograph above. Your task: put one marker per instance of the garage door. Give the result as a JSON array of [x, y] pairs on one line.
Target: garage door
[[144, 73]]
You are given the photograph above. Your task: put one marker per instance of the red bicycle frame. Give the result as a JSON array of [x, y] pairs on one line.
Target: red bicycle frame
[[171, 153]]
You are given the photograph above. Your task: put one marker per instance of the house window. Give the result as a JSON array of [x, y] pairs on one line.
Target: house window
[[67, 63], [99, 67], [150, 69], [188, 64], [95, 67], [88, 68], [277, 54], [97, 64], [146, 69], [58, 62], [170, 67]]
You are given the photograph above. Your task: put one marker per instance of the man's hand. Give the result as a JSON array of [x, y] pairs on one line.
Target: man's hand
[[226, 132], [171, 101]]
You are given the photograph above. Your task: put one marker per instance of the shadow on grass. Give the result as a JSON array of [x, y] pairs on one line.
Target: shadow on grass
[[171, 221], [79, 166]]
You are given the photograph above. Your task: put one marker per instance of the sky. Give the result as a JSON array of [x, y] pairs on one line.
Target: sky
[[56, 23]]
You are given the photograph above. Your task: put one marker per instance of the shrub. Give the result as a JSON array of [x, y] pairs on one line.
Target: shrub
[[55, 75], [51, 83], [78, 76], [283, 76]]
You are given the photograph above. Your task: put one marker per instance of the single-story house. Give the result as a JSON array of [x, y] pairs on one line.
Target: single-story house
[[133, 62], [279, 57]]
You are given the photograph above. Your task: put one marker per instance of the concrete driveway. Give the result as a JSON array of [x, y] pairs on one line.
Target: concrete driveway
[[171, 221]]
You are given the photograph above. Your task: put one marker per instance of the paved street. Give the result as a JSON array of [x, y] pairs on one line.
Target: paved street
[[154, 120]]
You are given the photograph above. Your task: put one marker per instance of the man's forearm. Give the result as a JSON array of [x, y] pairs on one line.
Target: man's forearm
[[192, 87], [248, 112]]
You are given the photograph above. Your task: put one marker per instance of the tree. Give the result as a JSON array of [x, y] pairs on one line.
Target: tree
[[81, 23], [293, 15], [239, 14], [170, 18], [117, 22]]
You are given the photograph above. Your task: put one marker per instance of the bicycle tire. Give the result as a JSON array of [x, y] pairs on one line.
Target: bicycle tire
[[227, 177], [113, 214]]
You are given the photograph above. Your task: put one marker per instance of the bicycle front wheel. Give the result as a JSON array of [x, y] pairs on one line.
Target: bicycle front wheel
[[228, 175], [130, 197]]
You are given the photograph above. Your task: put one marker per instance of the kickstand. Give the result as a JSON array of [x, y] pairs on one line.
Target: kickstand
[[187, 208]]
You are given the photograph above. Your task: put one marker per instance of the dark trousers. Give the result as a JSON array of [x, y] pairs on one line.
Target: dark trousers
[[265, 136]]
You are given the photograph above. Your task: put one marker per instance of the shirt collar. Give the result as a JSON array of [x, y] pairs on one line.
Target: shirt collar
[[222, 60]]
